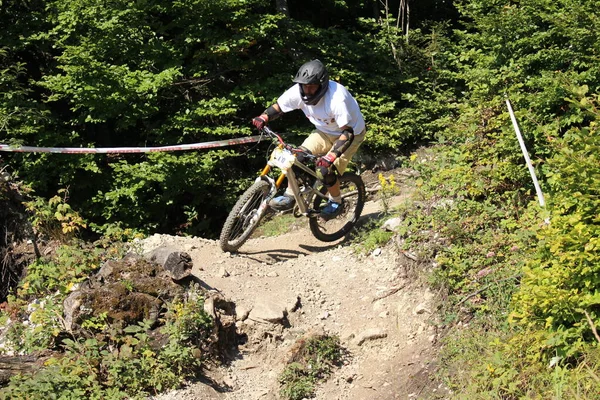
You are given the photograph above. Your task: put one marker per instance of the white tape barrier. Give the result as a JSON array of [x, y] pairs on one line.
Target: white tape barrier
[[90, 150]]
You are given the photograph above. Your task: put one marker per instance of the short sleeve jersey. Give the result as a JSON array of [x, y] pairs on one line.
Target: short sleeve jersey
[[336, 108]]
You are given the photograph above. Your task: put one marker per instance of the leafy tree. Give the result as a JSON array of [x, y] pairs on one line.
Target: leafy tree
[[111, 74]]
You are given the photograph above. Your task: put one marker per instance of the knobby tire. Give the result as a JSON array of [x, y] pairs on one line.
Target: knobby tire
[[243, 218], [327, 231]]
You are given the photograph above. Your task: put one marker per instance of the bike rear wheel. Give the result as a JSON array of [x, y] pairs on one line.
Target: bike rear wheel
[[354, 196], [244, 217]]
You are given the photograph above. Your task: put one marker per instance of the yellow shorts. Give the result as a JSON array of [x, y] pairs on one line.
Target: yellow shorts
[[320, 143]]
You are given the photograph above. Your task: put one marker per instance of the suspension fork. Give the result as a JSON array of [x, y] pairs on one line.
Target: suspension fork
[[264, 175]]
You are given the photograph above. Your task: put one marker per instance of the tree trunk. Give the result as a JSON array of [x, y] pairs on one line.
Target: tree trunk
[[10, 366], [376, 9], [282, 7]]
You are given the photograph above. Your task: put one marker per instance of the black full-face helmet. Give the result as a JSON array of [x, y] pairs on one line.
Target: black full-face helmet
[[313, 73]]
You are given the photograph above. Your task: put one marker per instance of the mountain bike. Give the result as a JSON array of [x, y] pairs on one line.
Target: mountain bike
[[309, 191]]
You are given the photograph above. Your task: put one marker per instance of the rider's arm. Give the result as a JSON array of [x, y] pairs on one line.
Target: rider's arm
[[343, 142], [273, 112]]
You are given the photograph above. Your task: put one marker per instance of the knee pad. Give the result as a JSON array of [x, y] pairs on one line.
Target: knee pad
[[330, 179]]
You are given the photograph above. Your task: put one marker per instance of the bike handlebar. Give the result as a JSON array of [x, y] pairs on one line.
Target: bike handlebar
[[290, 147], [273, 134]]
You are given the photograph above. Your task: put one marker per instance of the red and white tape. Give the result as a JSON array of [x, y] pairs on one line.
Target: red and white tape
[[91, 150]]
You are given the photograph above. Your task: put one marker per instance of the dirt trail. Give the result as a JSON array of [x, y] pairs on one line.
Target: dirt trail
[[382, 316]]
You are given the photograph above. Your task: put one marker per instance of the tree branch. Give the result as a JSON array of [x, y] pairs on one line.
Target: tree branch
[[486, 287], [589, 320]]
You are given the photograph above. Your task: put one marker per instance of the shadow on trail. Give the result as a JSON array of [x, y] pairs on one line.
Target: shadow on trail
[[191, 279], [366, 219], [276, 255], [318, 249], [205, 380]]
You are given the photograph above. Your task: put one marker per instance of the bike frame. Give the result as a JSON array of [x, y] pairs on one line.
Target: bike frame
[[287, 171]]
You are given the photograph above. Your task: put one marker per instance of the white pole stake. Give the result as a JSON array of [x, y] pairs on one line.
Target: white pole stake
[[526, 155]]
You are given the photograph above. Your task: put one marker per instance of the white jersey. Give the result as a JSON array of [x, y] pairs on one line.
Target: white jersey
[[336, 108]]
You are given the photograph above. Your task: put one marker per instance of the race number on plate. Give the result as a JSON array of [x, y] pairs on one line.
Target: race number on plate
[[282, 158]]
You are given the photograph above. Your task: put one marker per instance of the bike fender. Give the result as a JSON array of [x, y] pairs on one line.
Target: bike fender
[[265, 178], [270, 181]]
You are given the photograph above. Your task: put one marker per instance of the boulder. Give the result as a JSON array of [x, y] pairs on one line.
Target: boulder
[[177, 263]]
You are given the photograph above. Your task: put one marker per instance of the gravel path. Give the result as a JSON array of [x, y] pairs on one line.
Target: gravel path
[[382, 316]]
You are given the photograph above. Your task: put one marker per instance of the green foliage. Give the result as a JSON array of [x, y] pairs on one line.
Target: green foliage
[[493, 238], [485, 364], [40, 326], [120, 365], [371, 236], [95, 74], [72, 264], [477, 240], [146, 66], [560, 287], [412, 96], [186, 319], [55, 219], [387, 191], [312, 362], [297, 384], [37, 304], [533, 51], [19, 116], [278, 225]]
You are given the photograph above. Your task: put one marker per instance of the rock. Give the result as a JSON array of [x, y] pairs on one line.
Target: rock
[[421, 309], [127, 291], [177, 263], [346, 337], [392, 224], [21, 364], [267, 311], [370, 334], [241, 313], [209, 307], [71, 306], [106, 270]]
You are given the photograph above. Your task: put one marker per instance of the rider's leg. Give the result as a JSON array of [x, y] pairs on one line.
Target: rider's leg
[[335, 204], [334, 191], [342, 163]]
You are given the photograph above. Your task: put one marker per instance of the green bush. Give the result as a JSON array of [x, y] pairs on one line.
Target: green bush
[[72, 264], [548, 349], [123, 364], [312, 361], [561, 282]]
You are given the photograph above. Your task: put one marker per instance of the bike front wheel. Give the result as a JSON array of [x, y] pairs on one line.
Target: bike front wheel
[[354, 196], [244, 216]]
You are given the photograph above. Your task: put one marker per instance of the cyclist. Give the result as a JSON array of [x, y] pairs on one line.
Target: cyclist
[[339, 129]]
